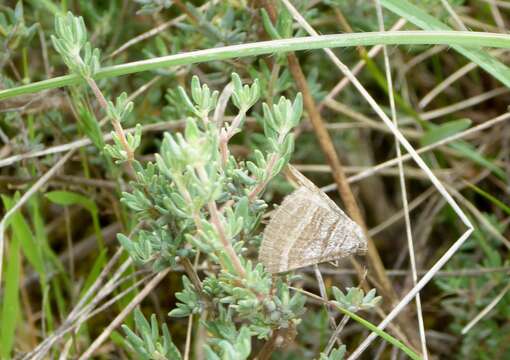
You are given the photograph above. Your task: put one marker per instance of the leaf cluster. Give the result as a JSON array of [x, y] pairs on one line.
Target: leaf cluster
[[70, 40]]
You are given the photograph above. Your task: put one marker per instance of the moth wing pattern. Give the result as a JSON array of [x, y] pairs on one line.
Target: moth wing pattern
[[302, 180], [350, 225], [280, 232], [306, 229]]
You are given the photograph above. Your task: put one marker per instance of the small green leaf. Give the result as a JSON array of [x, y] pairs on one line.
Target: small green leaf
[[439, 132], [268, 25], [67, 198]]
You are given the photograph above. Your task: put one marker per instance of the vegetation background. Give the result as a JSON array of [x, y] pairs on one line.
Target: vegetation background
[[67, 285]]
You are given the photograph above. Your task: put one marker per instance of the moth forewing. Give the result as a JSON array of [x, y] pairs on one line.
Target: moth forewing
[[302, 180], [308, 228]]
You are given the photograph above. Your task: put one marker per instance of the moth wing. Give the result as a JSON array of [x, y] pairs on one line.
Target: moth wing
[[285, 228], [328, 236], [346, 239], [305, 231], [302, 180]]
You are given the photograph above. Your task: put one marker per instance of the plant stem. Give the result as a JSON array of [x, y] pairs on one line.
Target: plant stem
[[216, 221], [192, 274], [115, 122], [262, 185], [447, 37], [226, 135]]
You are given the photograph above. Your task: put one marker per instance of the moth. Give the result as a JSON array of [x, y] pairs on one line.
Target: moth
[[308, 228]]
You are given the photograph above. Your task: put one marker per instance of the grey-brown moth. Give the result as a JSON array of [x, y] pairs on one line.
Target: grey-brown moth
[[308, 228]]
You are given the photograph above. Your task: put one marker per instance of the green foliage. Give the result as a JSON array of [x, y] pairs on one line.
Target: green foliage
[[13, 31], [67, 198], [190, 302], [437, 133], [147, 342], [228, 343], [477, 343], [244, 97], [10, 312], [118, 151], [174, 197], [336, 354], [426, 21], [355, 299], [153, 6], [203, 100], [69, 42], [202, 199], [121, 109]]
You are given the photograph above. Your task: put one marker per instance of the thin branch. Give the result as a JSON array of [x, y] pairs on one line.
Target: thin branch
[[335, 336], [475, 100], [454, 15]]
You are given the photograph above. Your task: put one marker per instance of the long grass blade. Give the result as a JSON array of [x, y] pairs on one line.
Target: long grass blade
[[452, 38], [420, 18], [11, 299]]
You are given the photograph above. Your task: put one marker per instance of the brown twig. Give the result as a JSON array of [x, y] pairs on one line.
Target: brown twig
[[192, 273]]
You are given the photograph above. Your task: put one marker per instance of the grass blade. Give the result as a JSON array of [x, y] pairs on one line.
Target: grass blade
[[491, 198], [425, 21], [453, 38], [470, 152], [383, 334], [437, 133], [11, 298]]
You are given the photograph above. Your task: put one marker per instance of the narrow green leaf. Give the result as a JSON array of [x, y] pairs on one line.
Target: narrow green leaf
[[491, 198], [426, 21], [383, 334], [470, 152], [451, 38], [439, 132], [67, 198], [94, 272], [30, 248], [10, 299]]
